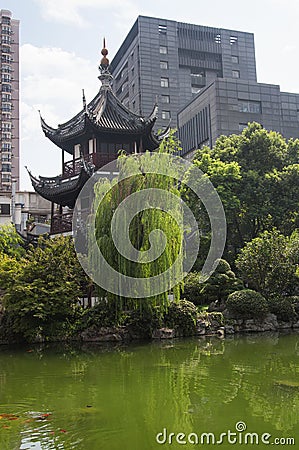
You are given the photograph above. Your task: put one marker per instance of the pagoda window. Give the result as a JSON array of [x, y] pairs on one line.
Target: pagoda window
[[91, 146], [77, 151]]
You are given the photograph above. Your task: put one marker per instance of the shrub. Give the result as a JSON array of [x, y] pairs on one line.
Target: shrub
[[216, 289], [143, 322], [247, 304], [102, 314], [182, 317], [283, 308]]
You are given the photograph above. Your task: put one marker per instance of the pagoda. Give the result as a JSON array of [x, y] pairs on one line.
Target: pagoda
[[93, 138]]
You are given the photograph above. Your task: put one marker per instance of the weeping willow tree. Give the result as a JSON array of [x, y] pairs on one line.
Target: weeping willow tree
[[136, 174]]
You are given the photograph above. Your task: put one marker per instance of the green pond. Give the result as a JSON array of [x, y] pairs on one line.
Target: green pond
[[132, 397]]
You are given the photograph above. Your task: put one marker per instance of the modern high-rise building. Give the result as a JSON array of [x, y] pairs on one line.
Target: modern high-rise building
[[9, 109], [171, 62]]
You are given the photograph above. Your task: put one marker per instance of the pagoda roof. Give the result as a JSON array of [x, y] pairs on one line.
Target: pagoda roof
[[105, 114], [60, 190]]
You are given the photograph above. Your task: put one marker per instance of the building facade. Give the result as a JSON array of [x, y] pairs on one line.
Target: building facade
[[227, 105], [9, 108], [171, 62]]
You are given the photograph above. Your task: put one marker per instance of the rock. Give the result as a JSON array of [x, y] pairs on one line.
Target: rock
[[163, 333], [284, 325], [229, 329], [221, 332], [201, 327]]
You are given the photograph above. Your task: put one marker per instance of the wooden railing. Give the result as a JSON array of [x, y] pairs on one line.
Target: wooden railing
[[73, 167], [61, 223]]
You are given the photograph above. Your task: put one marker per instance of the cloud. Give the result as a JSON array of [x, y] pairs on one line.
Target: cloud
[[51, 81], [69, 11]]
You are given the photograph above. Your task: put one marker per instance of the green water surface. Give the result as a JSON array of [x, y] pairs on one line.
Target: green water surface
[[120, 397]]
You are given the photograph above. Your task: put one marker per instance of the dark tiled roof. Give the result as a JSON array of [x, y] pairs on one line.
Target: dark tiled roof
[[104, 114], [62, 191]]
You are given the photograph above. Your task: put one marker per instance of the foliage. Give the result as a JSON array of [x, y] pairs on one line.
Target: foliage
[[10, 242], [269, 264], [46, 288], [109, 196], [182, 316], [256, 175], [102, 314], [216, 289], [283, 308], [214, 318], [142, 323], [247, 304]]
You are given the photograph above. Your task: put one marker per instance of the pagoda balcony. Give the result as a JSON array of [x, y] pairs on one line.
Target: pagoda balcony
[[73, 167], [61, 223]]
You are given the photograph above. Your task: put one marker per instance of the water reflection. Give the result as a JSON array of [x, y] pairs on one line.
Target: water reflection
[[121, 396]]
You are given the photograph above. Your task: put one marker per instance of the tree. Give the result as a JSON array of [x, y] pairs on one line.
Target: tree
[[10, 242], [256, 175], [109, 195], [269, 264], [44, 292]]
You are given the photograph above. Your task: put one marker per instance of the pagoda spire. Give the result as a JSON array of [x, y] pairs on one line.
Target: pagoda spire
[[105, 75]]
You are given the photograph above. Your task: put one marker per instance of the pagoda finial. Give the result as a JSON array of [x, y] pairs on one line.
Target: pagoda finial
[[104, 60], [84, 101], [105, 76]]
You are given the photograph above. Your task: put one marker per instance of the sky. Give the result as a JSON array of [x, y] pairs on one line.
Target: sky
[[61, 40]]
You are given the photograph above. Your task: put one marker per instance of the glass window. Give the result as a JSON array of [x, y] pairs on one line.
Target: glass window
[[164, 82], [6, 58], [165, 114], [5, 209], [165, 99], [163, 49], [5, 49], [162, 29], [163, 64], [6, 168], [5, 157], [233, 40], [236, 73], [218, 38], [235, 59], [6, 20], [6, 107], [6, 178], [6, 88], [250, 106], [6, 126], [6, 78]]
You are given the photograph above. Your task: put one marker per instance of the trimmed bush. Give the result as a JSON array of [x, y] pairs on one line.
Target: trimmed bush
[[247, 304], [283, 308], [182, 317], [216, 289]]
